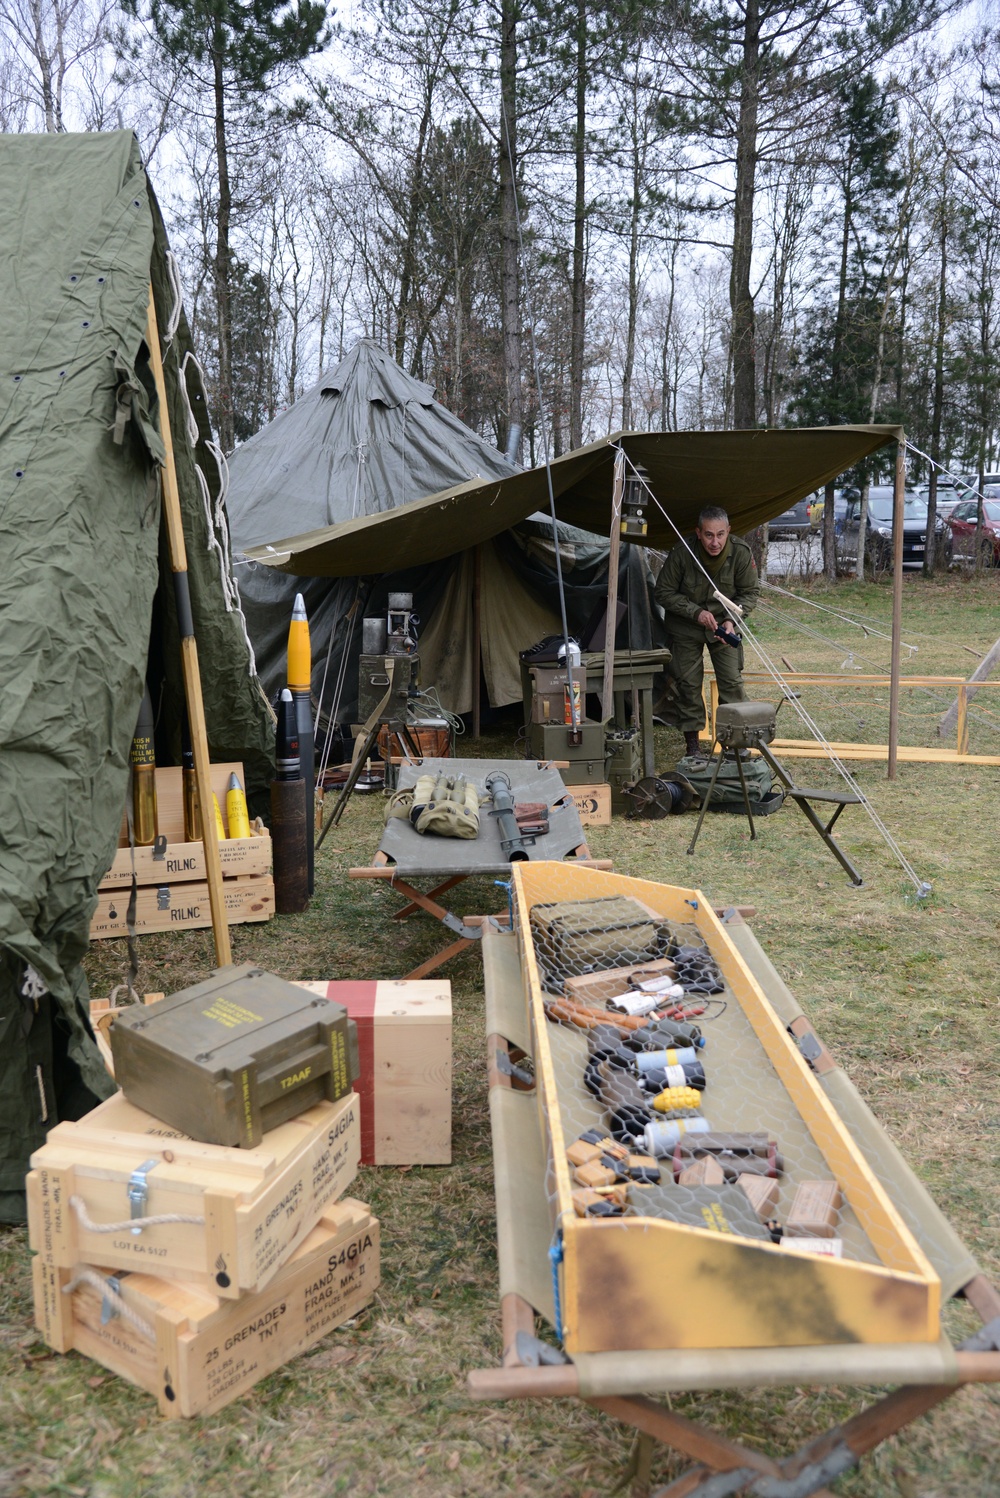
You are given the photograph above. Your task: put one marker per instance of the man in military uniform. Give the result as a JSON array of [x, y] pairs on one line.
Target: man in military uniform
[[693, 614]]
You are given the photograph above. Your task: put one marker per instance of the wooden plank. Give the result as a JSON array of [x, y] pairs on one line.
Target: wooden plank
[[182, 907], [910, 754], [254, 1206], [206, 1351]]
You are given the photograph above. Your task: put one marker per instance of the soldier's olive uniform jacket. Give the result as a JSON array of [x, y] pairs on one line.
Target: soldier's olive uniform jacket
[[684, 590]]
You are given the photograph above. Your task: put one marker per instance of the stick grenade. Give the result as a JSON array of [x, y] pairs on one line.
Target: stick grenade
[[299, 683], [189, 650], [288, 816]]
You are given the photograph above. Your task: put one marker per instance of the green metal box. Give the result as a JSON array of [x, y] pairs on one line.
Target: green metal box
[[586, 759], [235, 1056]]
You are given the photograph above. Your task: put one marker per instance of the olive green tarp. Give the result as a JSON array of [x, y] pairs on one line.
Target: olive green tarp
[[86, 603], [753, 475]]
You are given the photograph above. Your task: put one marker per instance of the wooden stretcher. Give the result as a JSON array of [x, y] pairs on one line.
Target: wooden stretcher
[[404, 855], [621, 1383]]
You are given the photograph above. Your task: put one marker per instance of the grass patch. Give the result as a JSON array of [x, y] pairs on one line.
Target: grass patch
[[905, 994]]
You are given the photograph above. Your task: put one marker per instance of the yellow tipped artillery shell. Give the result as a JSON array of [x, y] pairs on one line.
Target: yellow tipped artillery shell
[[673, 1098], [299, 650], [220, 825], [236, 809]]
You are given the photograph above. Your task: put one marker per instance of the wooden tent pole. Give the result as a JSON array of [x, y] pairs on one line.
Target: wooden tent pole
[[899, 482], [611, 618], [189, 653]]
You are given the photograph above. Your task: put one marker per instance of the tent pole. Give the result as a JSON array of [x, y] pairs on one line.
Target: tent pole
[[899, 482], [189, 652], [611, 618], [477, 635]]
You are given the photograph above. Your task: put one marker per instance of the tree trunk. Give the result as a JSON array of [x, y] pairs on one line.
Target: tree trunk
[[740, 297], [579, 295], [223, 261], [938, 405], [510, 292], [408, 270], [829, 534]]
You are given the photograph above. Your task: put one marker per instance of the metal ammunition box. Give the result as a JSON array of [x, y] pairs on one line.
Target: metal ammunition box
[[373, 681], [551, 741], [742, 725], [233, 1057], [622, 764]]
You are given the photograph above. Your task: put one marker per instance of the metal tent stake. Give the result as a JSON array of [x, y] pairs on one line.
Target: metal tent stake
[[189, 653]]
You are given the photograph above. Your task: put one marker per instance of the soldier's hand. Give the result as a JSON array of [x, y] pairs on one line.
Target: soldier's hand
[[707, 620]]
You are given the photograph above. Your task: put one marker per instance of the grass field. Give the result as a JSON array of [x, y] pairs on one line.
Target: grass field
[[905, 993]]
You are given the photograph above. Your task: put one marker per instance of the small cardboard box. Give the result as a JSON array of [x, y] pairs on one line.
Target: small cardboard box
[[244, 1211], [404, 1051], [194, 1351], [593, 804]]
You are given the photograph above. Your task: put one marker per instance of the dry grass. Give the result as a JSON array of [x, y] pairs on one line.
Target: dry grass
[[905, 994]]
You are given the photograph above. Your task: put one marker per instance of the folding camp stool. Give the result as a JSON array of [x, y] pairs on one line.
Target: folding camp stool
[[616, 1383], [740, 726]]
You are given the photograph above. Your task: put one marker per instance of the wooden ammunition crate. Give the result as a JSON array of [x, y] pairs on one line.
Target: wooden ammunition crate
[[404, 1050], [173, 892], [593, 804], [182, 907], [641, 1282], [251, 1208], [194, 1351]]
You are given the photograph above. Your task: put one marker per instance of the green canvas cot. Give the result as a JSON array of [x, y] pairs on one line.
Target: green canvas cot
[[86, 601]]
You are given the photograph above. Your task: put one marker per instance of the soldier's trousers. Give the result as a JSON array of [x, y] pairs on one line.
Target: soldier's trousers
[[687, 667]]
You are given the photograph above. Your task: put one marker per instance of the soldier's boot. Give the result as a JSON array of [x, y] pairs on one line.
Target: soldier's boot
[[691, 742]]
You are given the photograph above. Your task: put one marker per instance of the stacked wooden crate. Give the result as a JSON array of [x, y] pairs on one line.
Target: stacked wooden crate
[[193, 1269], [172, 890]]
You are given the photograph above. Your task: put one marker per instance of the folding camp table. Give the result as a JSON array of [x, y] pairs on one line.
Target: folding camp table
[[405, 854], [620, 1383]]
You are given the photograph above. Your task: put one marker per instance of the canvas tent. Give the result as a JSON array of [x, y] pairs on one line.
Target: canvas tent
[[368, 485], [86, 597], [370, 440]]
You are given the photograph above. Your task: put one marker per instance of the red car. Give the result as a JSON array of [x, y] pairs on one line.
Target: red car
[[963, 527]]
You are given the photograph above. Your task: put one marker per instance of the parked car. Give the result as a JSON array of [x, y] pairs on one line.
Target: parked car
[[962, 521], [949, 494], [878, 539], [818, 505], [794, 522]]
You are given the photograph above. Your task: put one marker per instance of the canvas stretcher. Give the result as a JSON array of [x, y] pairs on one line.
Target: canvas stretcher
[[624, 1383], [404, 855]]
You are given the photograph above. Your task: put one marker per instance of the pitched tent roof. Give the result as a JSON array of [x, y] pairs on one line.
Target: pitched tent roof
[[754, 475], [365, 441], [86, 595]]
